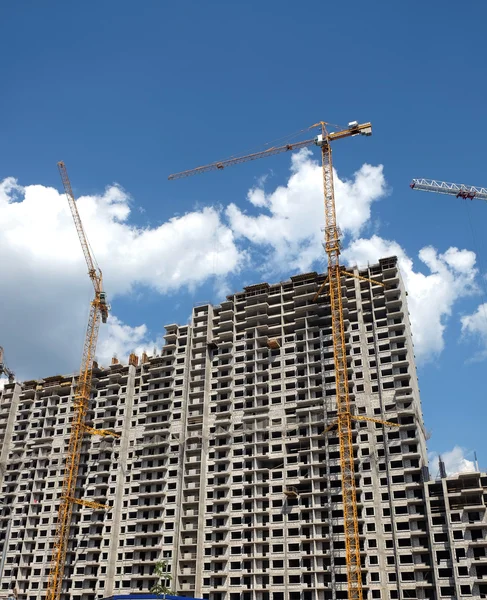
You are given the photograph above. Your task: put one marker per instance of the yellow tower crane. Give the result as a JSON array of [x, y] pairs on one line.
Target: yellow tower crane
[[4, 370], [99, 311], [335, 272]]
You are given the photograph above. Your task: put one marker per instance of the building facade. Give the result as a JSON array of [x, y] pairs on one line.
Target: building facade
[[223, 470]]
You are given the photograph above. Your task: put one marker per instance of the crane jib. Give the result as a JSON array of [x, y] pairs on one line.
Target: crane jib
[[353, 129], [467, 192]]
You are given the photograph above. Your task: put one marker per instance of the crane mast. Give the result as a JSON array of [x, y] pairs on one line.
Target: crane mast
[[98, 311], [344, 414], [467, 192]]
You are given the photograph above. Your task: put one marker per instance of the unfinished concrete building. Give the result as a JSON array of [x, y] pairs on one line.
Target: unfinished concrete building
[[223, 470]]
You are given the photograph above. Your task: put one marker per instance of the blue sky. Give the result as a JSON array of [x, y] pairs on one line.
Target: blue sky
[[129, 92]]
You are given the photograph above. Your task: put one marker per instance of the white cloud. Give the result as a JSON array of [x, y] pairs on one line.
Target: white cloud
[[455, 462], [44, 286], [46, 293], [120, 340], [475, 325], [431, 296], [292, 216]]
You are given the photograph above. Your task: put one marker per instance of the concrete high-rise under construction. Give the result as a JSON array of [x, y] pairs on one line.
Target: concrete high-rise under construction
[[223, 469]]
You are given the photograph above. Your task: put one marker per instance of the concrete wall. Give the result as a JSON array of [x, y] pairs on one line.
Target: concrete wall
[[223, 470]]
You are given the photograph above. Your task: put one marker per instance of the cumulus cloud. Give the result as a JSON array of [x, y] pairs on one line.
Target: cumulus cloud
[[431, 296], [475, 325], [455, 462], [44, 284], [119, 339], [46, 291], [290, 217]]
